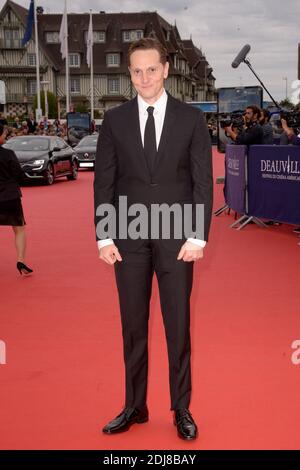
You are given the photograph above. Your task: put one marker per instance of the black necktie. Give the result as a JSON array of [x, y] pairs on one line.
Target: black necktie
[[150, 139]]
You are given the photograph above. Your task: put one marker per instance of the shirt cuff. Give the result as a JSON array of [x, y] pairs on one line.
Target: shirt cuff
[[103, 243], [109, 241], [198, 242]]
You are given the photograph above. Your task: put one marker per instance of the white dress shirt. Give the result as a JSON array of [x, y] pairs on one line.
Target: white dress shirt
[[159, 112]]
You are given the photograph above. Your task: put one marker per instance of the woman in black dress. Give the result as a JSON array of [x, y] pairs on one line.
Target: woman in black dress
[[11, 212]]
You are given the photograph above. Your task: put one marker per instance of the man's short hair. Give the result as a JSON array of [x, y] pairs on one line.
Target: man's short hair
[[255, 110], [145, 44]]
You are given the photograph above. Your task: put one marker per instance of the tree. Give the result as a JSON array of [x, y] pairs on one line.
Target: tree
[[81, 107], [52, 104], [286, 104]]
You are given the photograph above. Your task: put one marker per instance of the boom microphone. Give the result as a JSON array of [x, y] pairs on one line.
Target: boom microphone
[[241, 56]]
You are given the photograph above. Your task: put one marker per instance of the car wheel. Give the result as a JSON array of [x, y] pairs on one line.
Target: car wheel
[[74, 174], [49, 175]]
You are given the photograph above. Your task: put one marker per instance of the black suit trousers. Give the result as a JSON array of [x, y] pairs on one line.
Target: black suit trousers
[[134, 281]]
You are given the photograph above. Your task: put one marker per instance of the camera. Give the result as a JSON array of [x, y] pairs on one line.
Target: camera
[[236, 119], [292, 118]]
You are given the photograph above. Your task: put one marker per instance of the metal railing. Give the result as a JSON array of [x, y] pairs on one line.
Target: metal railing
[[11, 43], [19, 98]]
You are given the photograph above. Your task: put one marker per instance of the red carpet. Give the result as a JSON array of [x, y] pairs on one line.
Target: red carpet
[[63, 379]]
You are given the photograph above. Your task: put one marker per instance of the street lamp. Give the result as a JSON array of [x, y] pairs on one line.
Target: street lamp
[[45, 84], [286, 86]]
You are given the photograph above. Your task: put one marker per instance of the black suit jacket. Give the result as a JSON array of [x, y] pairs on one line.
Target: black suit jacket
[[10, 175], [182, 172], [32, 125]]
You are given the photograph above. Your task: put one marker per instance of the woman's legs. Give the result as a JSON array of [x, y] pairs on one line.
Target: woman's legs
[[20, 242]]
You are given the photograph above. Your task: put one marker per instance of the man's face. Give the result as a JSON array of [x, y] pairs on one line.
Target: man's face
[[148, 74], [250, 116]]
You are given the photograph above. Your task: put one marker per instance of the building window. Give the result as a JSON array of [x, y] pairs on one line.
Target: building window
[[75, 86], [132, 35], [31, 87], [74, 60], [52, 37], [113, 60], [12, 38], [113, 86], [31, 60], [98, 36], [126, 36]]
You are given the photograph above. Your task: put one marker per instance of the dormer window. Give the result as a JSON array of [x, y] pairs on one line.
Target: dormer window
[[74, 59], [52, 37], [113, 60], [132, 35]]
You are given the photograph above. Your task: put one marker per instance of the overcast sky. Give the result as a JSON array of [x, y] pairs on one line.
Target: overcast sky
[[221, 29]]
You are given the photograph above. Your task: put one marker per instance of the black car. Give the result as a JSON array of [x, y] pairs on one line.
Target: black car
[[44, 157], [86, 150]]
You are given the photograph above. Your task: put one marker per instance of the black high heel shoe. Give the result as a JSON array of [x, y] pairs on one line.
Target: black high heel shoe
[[23, 269]]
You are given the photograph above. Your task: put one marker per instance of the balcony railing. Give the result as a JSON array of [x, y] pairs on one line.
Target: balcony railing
[[19, 98], [11, 44]]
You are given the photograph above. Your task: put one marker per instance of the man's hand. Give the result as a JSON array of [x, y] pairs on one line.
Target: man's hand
[[228, 129], [285, 127], [110, 254], [190, 252], [231, 132]]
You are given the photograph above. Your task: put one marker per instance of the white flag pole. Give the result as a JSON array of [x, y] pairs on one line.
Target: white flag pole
[[90, 61], [67, 61], [37, 63], [63, 37]]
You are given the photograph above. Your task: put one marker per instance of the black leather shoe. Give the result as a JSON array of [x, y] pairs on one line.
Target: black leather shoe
[[125, 419], [186, 426]]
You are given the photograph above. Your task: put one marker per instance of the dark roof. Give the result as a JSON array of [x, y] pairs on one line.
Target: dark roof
[[18, 9], [113, 24], [197, 59]]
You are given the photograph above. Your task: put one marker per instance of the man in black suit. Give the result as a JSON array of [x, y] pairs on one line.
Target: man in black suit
[[31, 124], [153, 150]]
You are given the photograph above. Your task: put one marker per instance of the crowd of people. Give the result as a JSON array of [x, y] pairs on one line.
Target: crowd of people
[[31, 126], [257, 129]]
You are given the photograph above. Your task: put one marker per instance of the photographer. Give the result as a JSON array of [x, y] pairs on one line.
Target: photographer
[[293, 138], [252, 134]]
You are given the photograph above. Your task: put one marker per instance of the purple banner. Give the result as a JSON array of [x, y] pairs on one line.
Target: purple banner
[[274, 183], [235, 179]]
